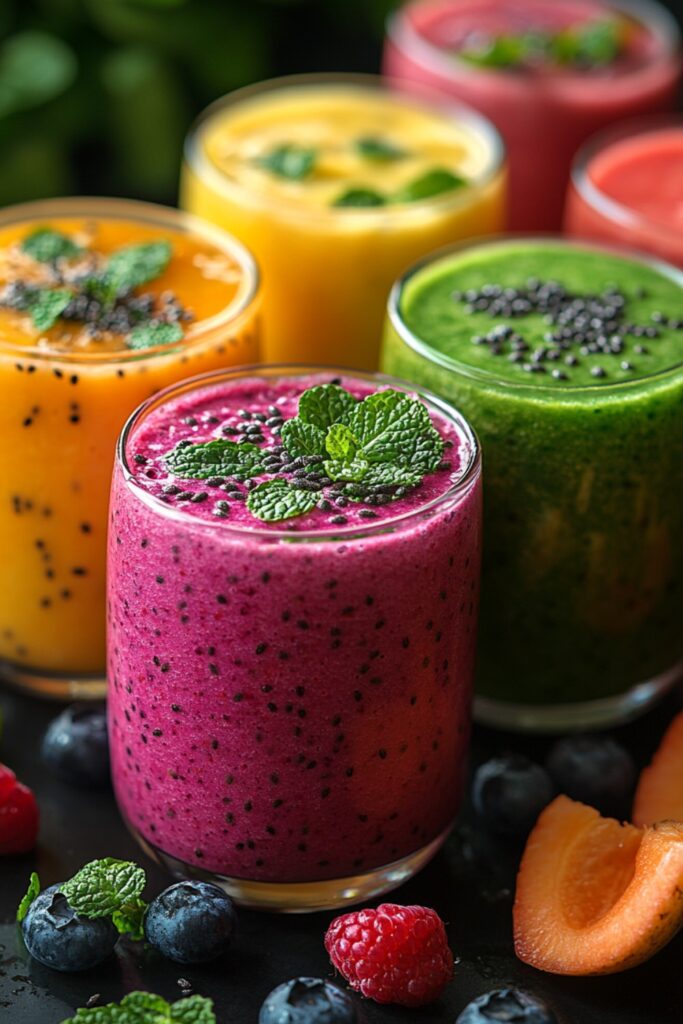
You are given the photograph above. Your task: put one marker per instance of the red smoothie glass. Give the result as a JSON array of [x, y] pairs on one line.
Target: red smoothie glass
[[544, 77], [289, 701], [627, 188]]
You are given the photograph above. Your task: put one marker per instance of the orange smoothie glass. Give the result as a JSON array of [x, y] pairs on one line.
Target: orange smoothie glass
[[370, 187], [627, 188], [68, 384]]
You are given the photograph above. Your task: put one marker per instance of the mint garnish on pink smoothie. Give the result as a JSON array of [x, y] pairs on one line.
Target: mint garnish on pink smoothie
[[339, 448]]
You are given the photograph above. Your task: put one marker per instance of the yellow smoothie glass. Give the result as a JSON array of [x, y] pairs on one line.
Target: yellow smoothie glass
[[68, 387], [337, 183]]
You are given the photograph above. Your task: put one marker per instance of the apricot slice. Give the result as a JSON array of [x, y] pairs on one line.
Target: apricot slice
[[659, 794], [594, 896]]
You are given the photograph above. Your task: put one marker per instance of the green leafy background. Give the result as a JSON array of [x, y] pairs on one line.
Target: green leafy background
[[96, 95]]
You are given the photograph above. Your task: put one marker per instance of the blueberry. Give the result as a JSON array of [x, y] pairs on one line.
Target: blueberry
[[191, 922], [595, 770], [75, 745], [308, 1001], [509, 793], [507, 1005], [60, 938]]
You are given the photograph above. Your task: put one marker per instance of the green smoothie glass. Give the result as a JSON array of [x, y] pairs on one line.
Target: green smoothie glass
[[568, 360]]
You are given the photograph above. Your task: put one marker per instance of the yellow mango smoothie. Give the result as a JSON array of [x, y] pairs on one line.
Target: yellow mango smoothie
[[336, 185], [102, 303]]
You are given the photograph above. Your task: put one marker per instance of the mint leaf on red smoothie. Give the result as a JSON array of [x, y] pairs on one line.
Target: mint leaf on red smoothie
[[300, 438], [103, 887], [326, 404], [432, 183], [353, 471], [289, 161], [593, 44], [147, 1008], [151, 334], [388, 474], [341, 443], [277, 499], [214, 458], [46, 305], [360, 197], [48, 246], [130, 267], [373, 147], [393, 428], [590, 44], [27, 900]]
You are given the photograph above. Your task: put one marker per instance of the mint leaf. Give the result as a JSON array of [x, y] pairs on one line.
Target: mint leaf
[[431, 183], [276, 499], [129, 919], [359, 197], [289, 161], [341, 443], [352, 471], [300, 438], [48, 246], [326, 404], [372, 147], [597, 43], [214, 458], [391, 427], [148, 335], [27, 900], [46, 305], [102, 887], [130, 267], [386, 473], [147, 1008], [501, 51]]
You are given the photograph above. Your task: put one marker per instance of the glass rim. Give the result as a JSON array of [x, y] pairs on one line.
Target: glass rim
[[483, 376], [478, 124], [406, 38], [600, 142], [468, 475], [113, 208]]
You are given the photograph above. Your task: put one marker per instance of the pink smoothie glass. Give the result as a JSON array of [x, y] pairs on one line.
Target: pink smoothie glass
[[289, 706], [544, 114], [627, 188]]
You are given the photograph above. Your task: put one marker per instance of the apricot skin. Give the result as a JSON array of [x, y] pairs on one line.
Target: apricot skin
[[659, 794], [575, 930]]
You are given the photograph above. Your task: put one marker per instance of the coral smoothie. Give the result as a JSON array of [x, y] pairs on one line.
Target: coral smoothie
[[291, 656], [627, 188]]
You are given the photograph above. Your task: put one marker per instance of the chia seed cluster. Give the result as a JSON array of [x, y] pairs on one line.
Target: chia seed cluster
[[579, 326]]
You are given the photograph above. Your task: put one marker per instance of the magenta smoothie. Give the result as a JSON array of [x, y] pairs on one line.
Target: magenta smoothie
[[289, 697], [548, 73]]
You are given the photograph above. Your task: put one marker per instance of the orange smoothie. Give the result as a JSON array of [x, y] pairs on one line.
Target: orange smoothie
[[102, 303], [337, 184]]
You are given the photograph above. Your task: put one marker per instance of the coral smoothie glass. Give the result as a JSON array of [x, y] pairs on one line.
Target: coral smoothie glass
[[102, 302], [568, 359], [337, 183], [627, 188], [548, 73], [290, 691]]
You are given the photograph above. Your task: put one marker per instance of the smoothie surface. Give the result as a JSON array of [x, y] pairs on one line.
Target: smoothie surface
[[254, 410], [615, 319], [645, 175], [341, 147], [59, 293]]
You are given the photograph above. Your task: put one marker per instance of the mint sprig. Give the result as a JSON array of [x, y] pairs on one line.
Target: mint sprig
[[275, 500], [214, 458], [130, 267], [48, 246], [325, 404], [590, 44], [147, 1008], [46, 305], [154, 333], [104, 887], [289, 161], [31, 894]]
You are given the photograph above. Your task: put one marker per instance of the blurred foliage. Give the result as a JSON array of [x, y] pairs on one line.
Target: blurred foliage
[[96, 96]]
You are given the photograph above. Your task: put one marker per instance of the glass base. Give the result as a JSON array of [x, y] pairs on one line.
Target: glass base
[[53, 686], [301, 897], [590, 714]]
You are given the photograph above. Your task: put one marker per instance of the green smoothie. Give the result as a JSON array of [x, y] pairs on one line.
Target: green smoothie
[[568, 360]]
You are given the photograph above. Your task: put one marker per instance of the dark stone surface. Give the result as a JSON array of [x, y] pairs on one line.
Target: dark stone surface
[[470, 884]]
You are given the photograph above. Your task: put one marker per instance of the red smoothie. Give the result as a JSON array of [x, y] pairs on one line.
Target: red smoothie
[[549, 75], [627, 188], [289, 700]]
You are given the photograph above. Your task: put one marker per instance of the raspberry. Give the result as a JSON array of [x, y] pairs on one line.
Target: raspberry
[[18, 815], [392, 954]]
